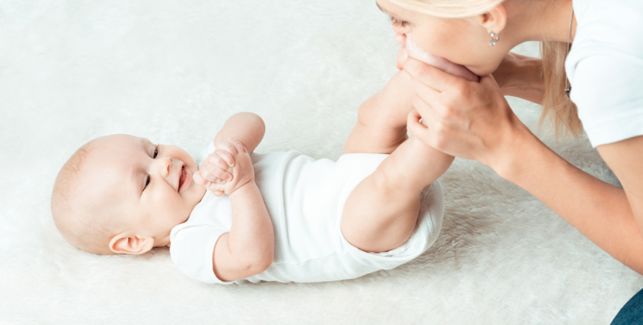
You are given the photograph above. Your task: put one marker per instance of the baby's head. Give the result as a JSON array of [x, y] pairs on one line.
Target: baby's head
[[121, 194]]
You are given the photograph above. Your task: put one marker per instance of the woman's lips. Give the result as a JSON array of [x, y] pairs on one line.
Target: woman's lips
[[443, 64]]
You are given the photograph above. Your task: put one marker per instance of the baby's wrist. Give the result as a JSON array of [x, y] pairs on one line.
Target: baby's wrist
[[241, 188]]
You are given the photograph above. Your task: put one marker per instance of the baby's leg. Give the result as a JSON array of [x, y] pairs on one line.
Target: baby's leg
[[381, 121], [381, 213]]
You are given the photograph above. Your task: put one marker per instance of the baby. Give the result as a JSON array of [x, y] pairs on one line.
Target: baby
[[280, 216]]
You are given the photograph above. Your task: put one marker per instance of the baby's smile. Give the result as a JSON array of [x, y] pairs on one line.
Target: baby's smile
[[184, 179]]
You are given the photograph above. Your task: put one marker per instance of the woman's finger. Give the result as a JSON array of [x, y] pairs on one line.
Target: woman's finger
[[427, 94]]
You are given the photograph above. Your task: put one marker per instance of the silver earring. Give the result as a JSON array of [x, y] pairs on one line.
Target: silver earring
[[494, 38]]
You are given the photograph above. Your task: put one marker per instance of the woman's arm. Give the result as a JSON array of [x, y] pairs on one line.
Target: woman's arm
[[599, 210], [474, 121], [521, 76]]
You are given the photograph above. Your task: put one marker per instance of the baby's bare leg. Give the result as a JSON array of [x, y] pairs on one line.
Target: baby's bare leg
[[382, 211], [381, 121]]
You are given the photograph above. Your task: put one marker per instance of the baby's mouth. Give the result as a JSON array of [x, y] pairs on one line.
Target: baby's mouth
[[182, 178]]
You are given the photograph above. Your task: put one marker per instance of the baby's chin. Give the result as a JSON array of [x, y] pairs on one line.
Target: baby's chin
[[443, 64]]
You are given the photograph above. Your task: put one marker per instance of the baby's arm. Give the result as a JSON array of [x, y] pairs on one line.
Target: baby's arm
[[247, 128], [248, 248]]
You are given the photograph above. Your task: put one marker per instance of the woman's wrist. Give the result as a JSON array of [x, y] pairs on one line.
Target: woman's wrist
[[509, 160], [521, 76]]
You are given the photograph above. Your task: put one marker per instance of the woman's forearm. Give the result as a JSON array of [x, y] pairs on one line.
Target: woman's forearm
[[598, 210], [521, 76]]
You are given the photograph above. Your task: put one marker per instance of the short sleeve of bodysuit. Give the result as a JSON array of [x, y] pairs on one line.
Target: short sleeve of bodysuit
[[192, 242]]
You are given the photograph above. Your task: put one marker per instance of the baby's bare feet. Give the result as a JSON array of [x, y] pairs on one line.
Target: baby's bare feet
[[227, 169]]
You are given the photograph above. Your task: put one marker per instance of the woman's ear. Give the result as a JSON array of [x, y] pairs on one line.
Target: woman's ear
[[494, 20], [130, 244]]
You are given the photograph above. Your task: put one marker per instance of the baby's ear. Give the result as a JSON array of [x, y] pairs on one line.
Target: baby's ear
[[130, 244]]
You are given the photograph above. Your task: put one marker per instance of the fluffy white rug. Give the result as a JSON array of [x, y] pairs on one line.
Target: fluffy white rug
[[173, 71]]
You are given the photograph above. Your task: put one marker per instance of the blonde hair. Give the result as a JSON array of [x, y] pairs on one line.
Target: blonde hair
[[448, 8], [555, 101]]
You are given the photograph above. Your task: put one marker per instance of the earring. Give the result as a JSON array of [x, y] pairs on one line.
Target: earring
[[494, 38]]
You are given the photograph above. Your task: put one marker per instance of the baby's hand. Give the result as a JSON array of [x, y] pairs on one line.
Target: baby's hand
[[227, 169]]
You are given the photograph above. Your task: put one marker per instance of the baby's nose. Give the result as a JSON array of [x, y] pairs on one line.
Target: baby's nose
[[165, 166]]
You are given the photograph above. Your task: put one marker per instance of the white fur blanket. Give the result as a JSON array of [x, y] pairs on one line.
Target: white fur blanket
[[173, 71]]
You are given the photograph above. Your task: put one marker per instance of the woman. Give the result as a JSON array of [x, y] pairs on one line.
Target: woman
[[472, 120]]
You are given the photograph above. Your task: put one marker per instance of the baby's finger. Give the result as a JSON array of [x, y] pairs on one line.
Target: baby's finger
[[226, 157], [228, 146], [214, 162], [216, 189], [219, 176], [196, 176], [239, 146]]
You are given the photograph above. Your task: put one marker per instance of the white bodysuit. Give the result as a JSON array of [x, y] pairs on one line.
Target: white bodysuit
[[305, 199]]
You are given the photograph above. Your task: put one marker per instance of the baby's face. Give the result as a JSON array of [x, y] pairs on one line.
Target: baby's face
[[149, 184]]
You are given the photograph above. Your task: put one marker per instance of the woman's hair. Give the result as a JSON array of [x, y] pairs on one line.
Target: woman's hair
[[448, 8], [555, 101]]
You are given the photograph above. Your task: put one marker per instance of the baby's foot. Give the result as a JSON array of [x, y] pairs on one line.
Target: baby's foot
[[227, 169]]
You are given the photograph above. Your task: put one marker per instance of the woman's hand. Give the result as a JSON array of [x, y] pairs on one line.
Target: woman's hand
[[467, 119]]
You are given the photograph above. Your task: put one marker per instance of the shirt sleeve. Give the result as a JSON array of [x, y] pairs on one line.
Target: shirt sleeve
[[608, 92], [192, 248]]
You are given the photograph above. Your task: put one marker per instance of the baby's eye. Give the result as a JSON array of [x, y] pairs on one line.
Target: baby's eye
[[147, 182], [156, 151]]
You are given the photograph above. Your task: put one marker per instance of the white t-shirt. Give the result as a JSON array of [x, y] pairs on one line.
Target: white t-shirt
[[305, 199], [605, 69]]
